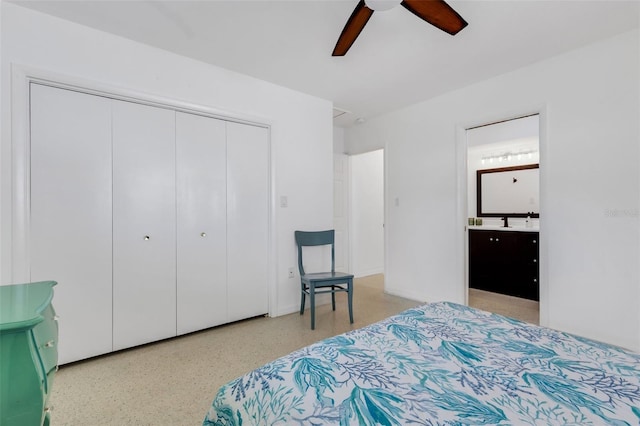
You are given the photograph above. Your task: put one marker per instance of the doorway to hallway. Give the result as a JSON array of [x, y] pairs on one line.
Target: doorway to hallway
[[359, 213], [367, 213]]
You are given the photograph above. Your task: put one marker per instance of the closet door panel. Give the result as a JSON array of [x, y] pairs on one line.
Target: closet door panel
[[247, 220], [144, 221], [70, 226], [201, 195]]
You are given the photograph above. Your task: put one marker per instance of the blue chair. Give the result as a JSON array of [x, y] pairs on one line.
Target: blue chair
[[330, 282]]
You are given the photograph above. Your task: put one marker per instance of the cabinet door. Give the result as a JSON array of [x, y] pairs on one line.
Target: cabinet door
[[70, 235], [202, 213], [144, 224], [247, 220], [490, 260], [482, 260], [506, 265]]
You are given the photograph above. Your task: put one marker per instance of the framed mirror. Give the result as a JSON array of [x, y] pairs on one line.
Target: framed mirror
[[508, 191]]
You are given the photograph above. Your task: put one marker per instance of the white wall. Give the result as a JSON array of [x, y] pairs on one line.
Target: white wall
[[301, 125], [367, 213], [341, 194], [590, 186], [338, 140]]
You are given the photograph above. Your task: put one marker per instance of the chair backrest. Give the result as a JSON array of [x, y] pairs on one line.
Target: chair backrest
[[315, 238]]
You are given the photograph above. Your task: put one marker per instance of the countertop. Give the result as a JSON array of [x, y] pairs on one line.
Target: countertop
[[502, 228]]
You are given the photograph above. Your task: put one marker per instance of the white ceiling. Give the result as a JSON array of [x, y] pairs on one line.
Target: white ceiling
[[396, 61]]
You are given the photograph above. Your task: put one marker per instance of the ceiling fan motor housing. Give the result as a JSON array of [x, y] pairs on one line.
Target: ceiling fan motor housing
[[379, 5]]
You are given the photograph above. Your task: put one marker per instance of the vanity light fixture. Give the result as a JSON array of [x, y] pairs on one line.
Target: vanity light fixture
[[507, 156]]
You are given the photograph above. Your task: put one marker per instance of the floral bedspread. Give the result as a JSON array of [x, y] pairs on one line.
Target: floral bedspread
[[440, 364]]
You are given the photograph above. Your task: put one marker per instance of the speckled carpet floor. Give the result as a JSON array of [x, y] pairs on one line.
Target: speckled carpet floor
[[173, 382]]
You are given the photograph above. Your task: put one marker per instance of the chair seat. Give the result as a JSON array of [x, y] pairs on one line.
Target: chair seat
[[327, 276]]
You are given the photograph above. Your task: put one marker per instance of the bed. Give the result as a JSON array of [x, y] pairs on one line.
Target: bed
[[440, 364]]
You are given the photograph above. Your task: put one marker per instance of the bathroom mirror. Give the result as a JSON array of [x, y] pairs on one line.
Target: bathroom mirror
[[508, 191]]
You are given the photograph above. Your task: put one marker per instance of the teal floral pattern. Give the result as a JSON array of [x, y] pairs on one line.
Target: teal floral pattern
[[440, 364]]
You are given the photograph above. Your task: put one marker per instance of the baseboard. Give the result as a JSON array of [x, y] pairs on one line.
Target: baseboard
[[321, 299], [405, 294], [367, 272]]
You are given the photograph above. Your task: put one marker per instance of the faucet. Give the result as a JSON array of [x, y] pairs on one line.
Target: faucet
[[506, 221]]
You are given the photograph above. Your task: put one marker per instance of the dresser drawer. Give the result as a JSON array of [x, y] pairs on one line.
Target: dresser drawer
[[45, 337]]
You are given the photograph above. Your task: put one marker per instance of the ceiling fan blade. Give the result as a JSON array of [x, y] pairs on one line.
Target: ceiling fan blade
[[437, 13], [352, 29]]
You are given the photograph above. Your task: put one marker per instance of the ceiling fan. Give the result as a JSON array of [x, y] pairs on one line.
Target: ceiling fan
[[436, 12]]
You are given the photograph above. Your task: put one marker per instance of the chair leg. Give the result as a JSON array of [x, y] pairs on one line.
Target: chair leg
[[312, 302], [302, 300], [333, 297], [350, 299]]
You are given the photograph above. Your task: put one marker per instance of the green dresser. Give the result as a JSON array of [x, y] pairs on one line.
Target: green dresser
[[28, 353]]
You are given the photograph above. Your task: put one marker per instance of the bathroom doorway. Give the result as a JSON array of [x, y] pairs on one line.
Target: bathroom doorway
[[503, 217]]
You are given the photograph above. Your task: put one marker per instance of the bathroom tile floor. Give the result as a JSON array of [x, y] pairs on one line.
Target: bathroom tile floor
[[514, 307]]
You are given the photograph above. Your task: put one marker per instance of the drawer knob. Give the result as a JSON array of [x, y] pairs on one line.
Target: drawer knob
[[491, 239], [535, 260], [203, 234], [49, 344], [147, 238], [497, 239], [535, 280], [535, 241], [48, 409]]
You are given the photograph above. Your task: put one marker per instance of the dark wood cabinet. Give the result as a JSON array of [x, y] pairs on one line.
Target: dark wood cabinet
[[504, 262]]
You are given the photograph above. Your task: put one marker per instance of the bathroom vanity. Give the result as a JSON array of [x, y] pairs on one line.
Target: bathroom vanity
[[504, 260]]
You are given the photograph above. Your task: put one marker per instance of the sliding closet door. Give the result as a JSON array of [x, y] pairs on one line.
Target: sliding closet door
[[202, 213], [247, 220], [144, 224], [70, 226]]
